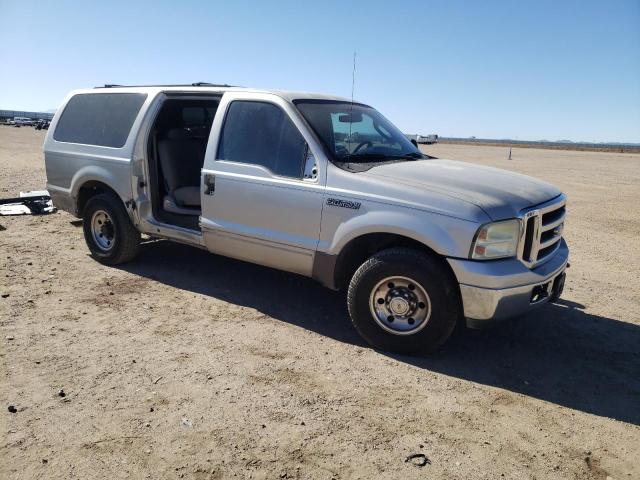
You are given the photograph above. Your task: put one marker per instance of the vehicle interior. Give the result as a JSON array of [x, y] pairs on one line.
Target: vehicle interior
[[177, 145]]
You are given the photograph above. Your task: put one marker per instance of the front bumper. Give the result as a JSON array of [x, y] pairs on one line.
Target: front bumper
[[503, 289]]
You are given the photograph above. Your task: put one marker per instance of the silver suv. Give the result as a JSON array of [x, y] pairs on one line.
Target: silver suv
[[311, 184]]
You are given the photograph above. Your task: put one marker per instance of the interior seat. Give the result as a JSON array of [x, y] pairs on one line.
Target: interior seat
[[181, 158]]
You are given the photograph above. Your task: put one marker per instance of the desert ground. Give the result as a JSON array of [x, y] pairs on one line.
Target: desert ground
[[183, 364]]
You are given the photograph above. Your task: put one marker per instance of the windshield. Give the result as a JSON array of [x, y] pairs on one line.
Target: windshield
[[353, 132]]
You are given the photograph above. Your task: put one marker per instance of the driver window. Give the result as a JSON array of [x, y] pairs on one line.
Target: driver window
[[260, 133]]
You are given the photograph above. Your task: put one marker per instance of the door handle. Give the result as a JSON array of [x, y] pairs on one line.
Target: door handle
[[209, 184]]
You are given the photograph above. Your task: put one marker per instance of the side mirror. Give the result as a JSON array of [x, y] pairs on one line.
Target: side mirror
[[415, 142], [310, 165]]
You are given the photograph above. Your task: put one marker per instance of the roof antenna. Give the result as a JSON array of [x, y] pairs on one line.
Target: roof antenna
[[353, 85], [353, 77]]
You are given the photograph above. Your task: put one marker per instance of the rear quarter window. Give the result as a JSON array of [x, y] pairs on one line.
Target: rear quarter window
[[101, 119]]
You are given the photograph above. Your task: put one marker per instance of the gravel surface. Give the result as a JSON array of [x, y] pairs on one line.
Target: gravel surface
[[184, 364]]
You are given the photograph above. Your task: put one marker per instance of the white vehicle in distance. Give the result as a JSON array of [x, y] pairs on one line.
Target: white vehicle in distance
[[23, 121], [19, 120], [423, 139], [428, 139], [312, 184]]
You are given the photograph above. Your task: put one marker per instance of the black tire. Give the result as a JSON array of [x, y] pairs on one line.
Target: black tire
[[125, 237], [432, 277]]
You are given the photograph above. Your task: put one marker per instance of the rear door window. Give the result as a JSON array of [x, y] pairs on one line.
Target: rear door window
[[261, 133], [101, 119]]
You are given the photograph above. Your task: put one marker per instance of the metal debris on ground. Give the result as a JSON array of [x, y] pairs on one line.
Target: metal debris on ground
[[37, 202], [418, 459]]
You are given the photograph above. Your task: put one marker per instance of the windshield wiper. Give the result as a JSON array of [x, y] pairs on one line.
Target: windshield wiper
[[365, 157]]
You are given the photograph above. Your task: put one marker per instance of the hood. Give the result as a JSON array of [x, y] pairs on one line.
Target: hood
[[500, 193]]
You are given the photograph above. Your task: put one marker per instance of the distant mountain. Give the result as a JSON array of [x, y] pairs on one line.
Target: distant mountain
[[558, 143]]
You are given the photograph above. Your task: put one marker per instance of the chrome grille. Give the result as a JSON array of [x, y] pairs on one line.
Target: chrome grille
[[542, 231]]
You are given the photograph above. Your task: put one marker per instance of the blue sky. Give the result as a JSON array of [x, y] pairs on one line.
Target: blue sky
[[527, 70]]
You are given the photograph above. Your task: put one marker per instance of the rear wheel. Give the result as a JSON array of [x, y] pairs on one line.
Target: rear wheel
[[109, 234], [404, 301]]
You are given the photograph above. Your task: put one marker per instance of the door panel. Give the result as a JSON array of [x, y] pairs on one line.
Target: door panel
[[264, 222], [252, 214]]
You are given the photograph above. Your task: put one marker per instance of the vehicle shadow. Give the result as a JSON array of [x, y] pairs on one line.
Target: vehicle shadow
[[558, 354]]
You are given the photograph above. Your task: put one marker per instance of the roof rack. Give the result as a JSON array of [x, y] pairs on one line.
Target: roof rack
[[195, 84]]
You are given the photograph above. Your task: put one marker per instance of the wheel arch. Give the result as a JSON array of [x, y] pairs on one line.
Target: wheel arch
[[335, 271], [93, 179], [90, 189]]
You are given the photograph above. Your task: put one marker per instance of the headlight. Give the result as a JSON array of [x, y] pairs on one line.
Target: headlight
[[496, 240]]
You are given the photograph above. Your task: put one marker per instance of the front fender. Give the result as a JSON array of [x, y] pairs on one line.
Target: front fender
[[447, 236]]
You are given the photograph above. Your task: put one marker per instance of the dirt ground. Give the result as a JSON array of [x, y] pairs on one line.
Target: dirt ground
[[183, 364]]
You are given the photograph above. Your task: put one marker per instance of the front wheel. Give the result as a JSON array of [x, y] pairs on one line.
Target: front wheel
[[404, 301], [109, 234]]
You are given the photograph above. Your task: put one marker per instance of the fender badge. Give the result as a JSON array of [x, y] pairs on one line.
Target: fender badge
[[335, 202]]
